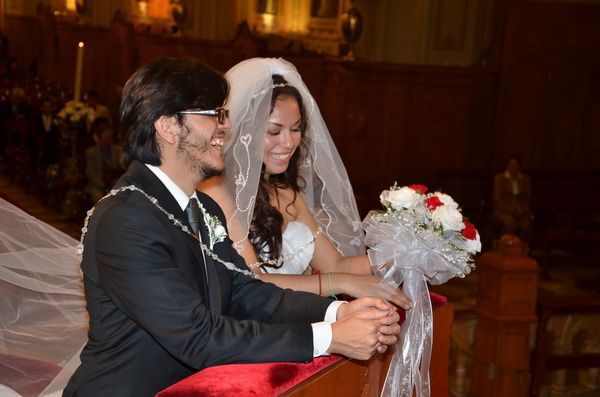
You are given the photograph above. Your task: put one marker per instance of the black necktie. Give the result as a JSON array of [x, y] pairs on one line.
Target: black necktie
[[193, 213]]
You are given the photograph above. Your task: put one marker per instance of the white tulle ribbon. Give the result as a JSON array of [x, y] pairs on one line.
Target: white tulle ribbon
[[402, 253]]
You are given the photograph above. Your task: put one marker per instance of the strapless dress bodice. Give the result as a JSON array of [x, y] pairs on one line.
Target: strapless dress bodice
[[298, 248]]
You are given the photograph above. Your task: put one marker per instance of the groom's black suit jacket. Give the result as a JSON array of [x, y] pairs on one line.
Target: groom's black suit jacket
[[161, 310]]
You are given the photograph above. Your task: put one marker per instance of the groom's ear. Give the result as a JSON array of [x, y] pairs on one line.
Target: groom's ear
[[166, 129]]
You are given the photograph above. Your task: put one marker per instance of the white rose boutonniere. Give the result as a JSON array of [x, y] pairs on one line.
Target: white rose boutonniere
[[216, 231]]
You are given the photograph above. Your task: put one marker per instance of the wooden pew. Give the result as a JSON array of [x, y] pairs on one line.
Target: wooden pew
[[542, 358], [366, 379], [344, 378]]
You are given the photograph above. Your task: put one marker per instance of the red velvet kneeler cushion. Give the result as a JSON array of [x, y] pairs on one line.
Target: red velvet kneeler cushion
[[241, 380], [437, 300], [265, 380]]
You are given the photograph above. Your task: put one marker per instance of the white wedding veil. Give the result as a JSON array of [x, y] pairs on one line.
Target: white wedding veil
[[43, 319], [327, 192]]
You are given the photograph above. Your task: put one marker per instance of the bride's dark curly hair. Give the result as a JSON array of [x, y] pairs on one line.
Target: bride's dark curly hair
[[266, 229]]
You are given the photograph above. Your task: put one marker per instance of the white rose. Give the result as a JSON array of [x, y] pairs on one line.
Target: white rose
[[404, 197], [449, 217], [220, 232], [447, 200], [384, 197], [473, 245]]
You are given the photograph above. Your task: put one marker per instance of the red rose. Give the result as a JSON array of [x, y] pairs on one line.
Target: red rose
[[419, 188], [469, 231], [433, 202]]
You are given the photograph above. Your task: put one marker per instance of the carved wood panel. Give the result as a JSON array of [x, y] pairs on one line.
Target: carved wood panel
[[392, 121], [547, 105]]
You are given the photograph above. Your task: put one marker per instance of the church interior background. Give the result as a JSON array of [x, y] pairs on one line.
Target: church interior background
[[438, 92]]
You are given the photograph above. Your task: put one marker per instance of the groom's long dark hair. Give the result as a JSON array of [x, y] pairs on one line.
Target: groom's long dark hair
[[266, 229], [164, 87]]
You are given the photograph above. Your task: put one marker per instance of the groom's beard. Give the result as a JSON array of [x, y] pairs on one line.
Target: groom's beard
[[209, 171], [193, 151]]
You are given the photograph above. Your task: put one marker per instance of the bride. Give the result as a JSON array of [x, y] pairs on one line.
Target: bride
[[286, 194]]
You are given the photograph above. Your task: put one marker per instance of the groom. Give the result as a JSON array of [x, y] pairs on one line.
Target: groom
[[162, 308]]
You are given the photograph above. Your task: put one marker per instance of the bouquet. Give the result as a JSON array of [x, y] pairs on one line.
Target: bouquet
[[419, 237]]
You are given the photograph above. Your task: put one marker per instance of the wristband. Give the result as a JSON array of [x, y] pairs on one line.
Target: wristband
[[330, 283], [320, 289]]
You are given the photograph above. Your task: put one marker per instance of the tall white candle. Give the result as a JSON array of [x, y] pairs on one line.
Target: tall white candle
[[78, 71], [2, 6]]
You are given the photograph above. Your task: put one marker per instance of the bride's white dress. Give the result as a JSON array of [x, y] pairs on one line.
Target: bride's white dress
[[297, 249]]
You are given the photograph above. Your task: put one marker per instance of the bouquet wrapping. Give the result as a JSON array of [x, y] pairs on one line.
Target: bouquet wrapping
[[419, 237]]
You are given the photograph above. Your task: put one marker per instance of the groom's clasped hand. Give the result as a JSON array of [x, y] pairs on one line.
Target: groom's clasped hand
[[364, 326]]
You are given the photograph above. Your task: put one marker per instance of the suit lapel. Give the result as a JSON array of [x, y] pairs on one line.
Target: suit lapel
[[213, 278], [139, 175], [209, 276]]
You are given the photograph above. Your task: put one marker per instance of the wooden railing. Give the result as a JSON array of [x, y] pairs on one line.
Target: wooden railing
[[335, 377], [365, 379]]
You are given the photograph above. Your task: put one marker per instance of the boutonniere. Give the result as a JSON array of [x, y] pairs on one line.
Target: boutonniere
[[216, 231]]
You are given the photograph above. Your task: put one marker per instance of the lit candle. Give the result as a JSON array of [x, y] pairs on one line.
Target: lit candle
[[78, 71], [2, 17]]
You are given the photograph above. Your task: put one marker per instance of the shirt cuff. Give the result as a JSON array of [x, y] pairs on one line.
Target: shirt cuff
[[331, 313], [322, 332], [322, 336]]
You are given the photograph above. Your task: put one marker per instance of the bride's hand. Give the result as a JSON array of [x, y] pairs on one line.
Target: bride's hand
[[357, 286]]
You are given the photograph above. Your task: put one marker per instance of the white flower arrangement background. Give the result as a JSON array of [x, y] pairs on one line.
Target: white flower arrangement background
[[76, 113]]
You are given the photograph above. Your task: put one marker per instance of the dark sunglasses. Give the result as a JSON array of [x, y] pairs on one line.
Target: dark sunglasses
[[221, 114]]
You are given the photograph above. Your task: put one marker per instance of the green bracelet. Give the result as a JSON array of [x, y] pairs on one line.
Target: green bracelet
[[330, 286]]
